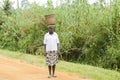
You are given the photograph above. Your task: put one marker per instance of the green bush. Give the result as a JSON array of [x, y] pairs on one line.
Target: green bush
[[112, 58]]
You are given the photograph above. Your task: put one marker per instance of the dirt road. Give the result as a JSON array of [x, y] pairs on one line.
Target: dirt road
[[16, 70]]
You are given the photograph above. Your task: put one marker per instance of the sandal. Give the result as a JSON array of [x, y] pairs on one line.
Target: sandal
[[54, 76], [49, 76]]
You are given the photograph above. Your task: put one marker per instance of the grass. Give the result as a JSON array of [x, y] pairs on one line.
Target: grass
[[85, 71]]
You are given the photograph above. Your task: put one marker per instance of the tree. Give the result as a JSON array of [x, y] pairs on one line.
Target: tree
[[2, 15], [17, 3], [49, 3], [7, 7], [24, 4]]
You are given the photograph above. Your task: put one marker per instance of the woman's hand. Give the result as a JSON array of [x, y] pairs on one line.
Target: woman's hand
[[58, 52], [45, 53]]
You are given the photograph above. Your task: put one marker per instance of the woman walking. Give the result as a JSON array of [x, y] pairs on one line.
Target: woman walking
[[51, 50]]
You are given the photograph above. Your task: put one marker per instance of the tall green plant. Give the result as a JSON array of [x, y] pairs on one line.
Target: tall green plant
[[7, 7]]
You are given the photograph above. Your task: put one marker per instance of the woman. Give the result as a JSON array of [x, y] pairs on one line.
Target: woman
[[51, 49]]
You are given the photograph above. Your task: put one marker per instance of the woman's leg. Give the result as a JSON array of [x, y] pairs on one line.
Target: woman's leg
[[49, 68], [53, 70]]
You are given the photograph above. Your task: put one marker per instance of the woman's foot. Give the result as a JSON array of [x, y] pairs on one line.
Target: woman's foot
[[49, 76], [54, 76]]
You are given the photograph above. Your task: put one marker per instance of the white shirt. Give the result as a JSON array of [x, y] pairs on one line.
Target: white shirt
[[51, 41]]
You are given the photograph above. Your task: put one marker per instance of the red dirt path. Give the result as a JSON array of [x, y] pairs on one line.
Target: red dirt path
[[15, 70]]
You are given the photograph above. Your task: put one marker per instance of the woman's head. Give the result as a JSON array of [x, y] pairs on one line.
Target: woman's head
[[51, 29]]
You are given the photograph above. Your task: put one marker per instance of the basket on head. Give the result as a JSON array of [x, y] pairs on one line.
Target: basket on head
[[50, 19]]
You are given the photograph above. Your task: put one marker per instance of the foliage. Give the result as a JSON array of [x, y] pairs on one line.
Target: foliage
[[7, 7]]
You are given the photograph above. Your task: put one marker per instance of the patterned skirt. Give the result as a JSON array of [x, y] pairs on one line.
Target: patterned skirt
[[51, 58]]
